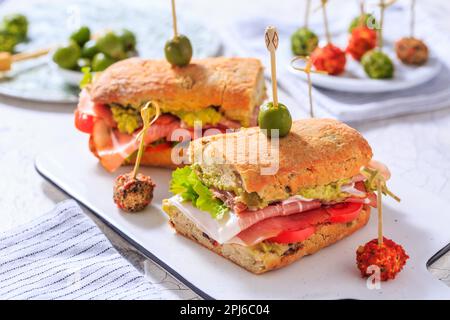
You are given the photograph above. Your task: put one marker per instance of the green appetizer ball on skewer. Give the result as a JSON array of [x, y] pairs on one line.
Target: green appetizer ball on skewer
[[365, 20], [178, 51], [303, 42], [271, 117], [377, 65]]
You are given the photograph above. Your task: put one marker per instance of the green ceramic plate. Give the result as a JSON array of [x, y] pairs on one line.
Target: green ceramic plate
[[51, 22]]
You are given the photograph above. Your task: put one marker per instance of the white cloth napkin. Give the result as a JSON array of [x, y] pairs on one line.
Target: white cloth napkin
[[64, 255], [245, 37]]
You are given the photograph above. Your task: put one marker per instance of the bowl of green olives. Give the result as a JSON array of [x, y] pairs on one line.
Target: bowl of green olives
[[98, 52]]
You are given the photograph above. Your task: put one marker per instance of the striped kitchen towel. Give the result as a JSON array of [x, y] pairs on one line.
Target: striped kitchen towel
[[64, 255]]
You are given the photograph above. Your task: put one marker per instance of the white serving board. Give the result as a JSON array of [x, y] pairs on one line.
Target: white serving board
[[421, 223]]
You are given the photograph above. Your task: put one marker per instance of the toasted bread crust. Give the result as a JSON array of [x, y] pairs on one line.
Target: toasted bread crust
[[256, 261], [236, 85], [315, 152]]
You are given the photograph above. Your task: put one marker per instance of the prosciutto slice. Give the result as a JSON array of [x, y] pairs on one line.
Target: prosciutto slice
[[272, 227], [113, 147], [284, 208]]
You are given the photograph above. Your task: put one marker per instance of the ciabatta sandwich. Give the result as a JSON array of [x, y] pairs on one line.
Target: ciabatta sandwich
[[221, 92], [261, 222]]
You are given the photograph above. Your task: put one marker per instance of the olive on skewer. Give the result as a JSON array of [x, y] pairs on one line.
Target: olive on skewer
[[274, 115], [178, 50]]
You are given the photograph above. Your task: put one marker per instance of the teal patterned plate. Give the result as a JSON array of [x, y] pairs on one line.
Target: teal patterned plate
[[52, 21]]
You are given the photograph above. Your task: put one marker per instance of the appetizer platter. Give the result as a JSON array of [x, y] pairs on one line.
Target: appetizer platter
[[43, 80], [361, 60], [262, 197]]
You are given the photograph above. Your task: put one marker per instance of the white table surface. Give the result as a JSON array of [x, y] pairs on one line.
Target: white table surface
[[414, 147]]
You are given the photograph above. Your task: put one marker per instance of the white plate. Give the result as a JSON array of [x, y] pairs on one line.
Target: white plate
[[420, 223], [355, 80]]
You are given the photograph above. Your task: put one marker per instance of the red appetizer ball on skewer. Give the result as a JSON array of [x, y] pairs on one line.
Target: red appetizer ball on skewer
[[362, 40], [389, 257], [330, 59]]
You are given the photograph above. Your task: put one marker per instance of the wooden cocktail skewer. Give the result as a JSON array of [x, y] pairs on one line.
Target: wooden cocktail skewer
[[308, 70], [145, 114], [307, 10], [380, 212], [7, 59], [174, 20], [271, 37], [383, 5], [413, 18], [325, 20], [362, 12]]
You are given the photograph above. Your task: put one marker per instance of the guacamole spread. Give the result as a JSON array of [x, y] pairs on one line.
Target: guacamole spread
[[328, 192], [206, 116], [128, 119]]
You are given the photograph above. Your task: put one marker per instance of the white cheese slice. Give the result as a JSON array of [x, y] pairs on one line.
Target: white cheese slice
[[221, 230]]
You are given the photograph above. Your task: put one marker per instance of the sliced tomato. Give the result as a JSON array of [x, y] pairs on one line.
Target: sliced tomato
[[84, 122], [293, 236], [344, 208], [159, 147], [344, 212]]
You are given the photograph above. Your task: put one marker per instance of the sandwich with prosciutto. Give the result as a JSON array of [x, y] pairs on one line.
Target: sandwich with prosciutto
[[317, 196], [220, 93]]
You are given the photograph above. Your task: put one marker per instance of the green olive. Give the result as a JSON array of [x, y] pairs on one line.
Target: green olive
[[81, 36], [67, 57], [89, 49], [101, 61], [128, 39], [111, 45], [16, 24], [178, 51], [83, 62], [271, 117], [8, 41]]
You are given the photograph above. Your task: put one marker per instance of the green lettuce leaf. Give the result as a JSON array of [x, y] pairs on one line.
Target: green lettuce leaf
[[186, 184]]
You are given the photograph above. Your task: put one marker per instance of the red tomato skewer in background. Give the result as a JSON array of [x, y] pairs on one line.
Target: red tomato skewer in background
[[329, 58], [361, 41]]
